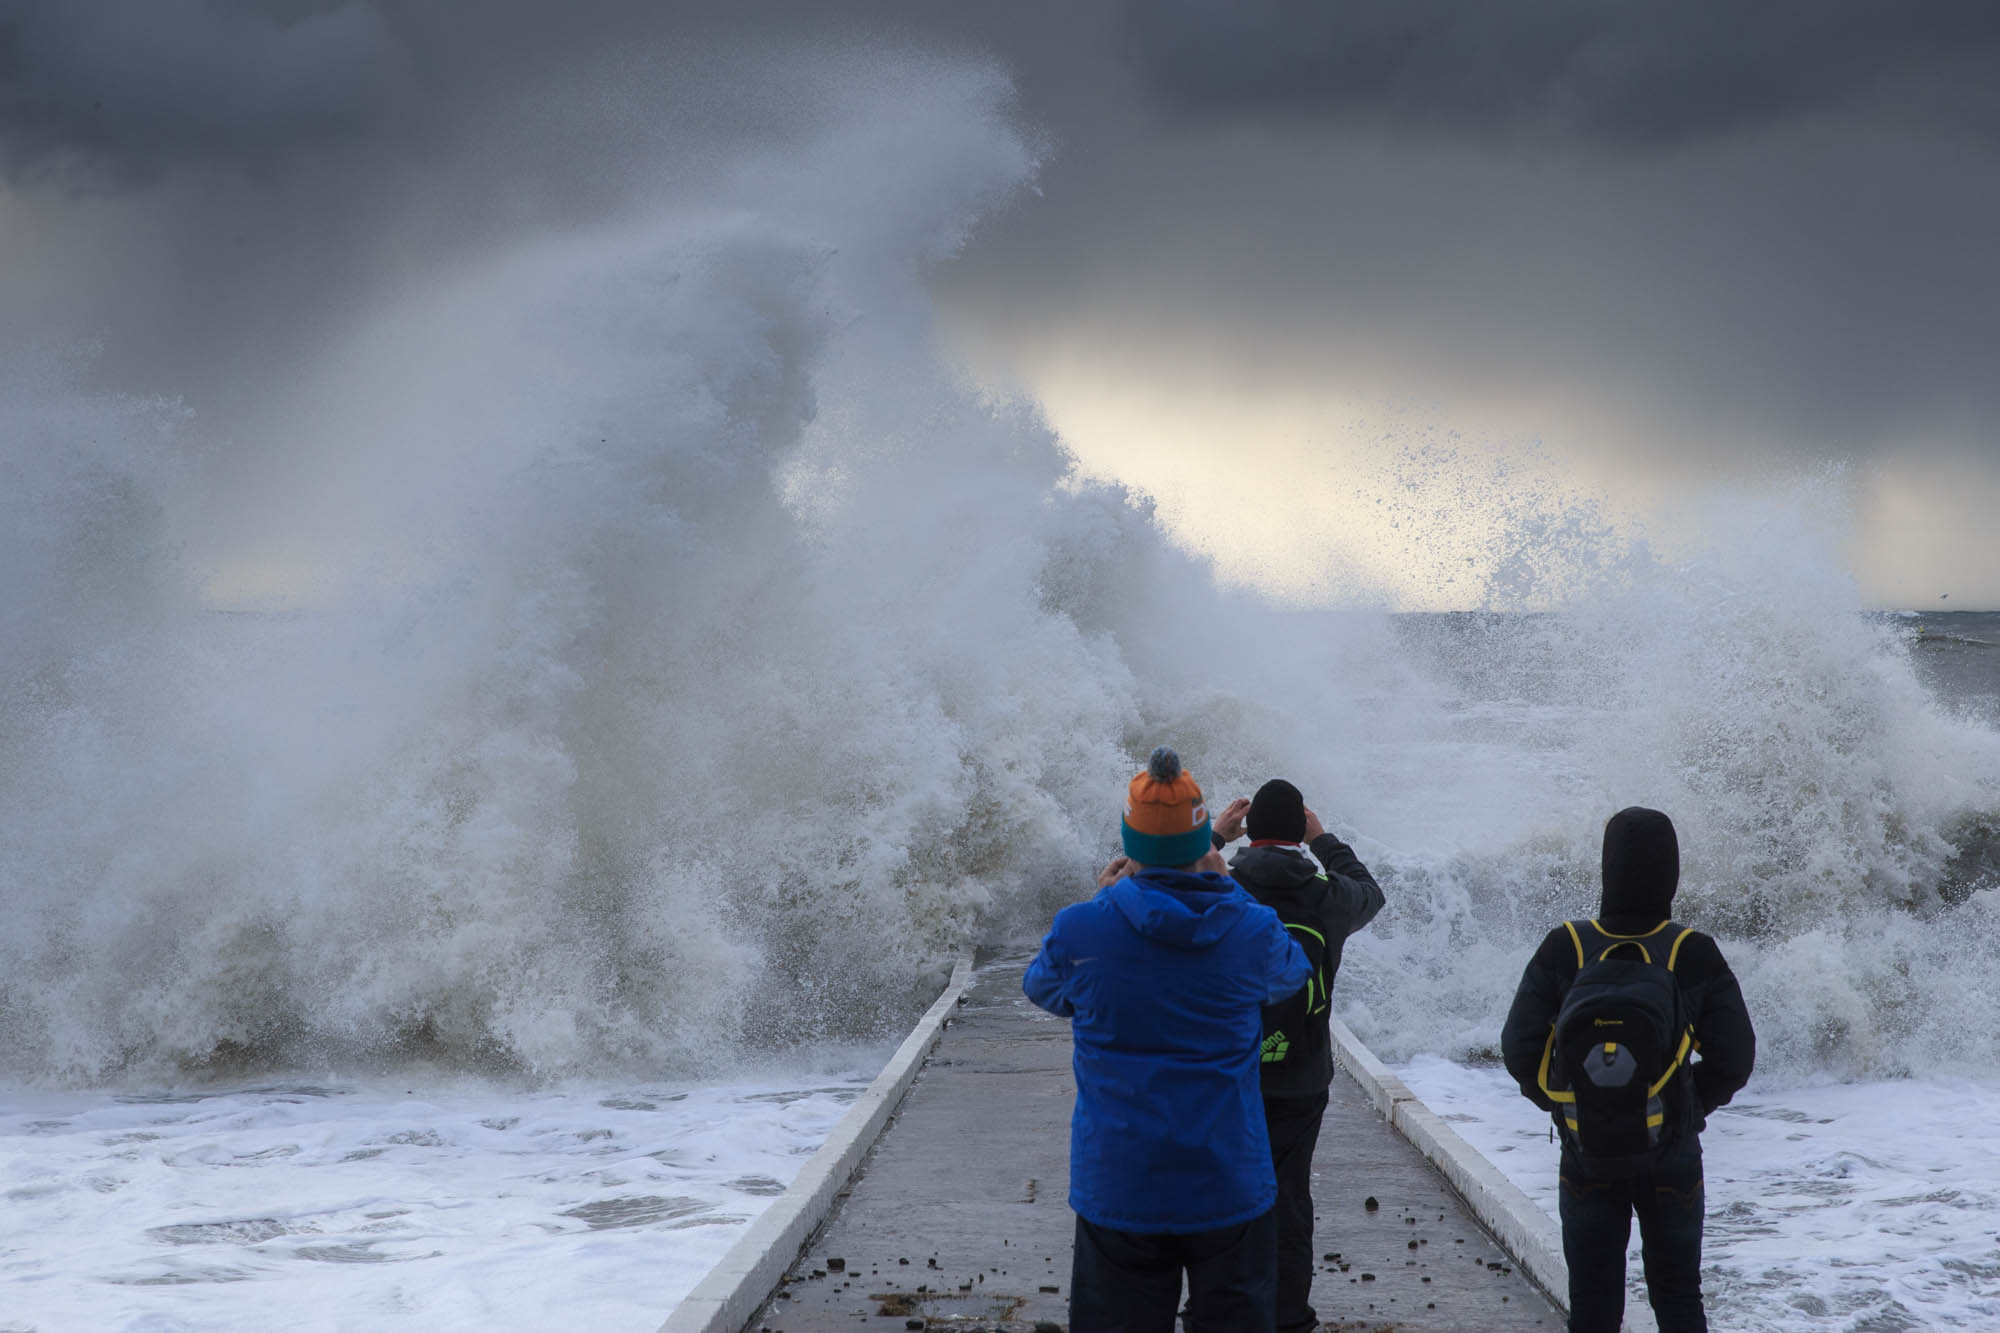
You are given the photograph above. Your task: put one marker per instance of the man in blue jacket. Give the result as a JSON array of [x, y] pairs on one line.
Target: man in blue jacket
[[1164, 976]]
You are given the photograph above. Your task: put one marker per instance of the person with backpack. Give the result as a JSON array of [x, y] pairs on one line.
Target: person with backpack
[[1630, 1030], [1320, 906], [1164, 976]]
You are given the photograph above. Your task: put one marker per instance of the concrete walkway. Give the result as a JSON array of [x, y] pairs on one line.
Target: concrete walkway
[[959, 1219]]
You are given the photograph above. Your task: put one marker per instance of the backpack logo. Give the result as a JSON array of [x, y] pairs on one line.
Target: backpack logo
[[1624, 1092]]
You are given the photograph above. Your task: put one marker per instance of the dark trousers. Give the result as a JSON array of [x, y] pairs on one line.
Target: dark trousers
[[1597, 1224], [1294, 1123], [1128, 1282]]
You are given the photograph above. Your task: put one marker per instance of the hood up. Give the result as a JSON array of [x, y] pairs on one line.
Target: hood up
[[1178, 907], [1273, 868], [1642, 866]]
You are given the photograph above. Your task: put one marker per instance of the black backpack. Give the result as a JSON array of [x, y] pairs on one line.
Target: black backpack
[[1616, 1062], [1294, 1028]]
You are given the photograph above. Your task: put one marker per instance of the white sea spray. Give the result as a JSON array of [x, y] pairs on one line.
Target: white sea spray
[[638, 650]]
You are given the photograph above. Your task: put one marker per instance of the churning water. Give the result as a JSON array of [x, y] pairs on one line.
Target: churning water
[[660, 662]]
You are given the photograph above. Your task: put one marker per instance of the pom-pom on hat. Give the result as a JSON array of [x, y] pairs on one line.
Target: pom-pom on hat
[[1166, 821]]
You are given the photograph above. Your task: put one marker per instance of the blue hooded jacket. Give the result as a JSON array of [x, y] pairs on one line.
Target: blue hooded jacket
[[1164, 976]]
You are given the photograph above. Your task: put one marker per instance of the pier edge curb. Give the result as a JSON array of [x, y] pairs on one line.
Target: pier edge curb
[[725, 1300], [1523, 1229]]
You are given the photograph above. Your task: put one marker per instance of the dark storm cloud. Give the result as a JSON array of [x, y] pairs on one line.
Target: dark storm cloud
[[207, 186], [1813, 257], [129, 92], [1814, 282], [1630, 71], [129, 88]]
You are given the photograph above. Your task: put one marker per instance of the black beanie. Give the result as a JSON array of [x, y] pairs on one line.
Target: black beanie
[[1277, 812], [1642, 864]]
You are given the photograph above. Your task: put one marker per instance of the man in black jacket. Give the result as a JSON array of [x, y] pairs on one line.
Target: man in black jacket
[[1319, 910], [1641, 872]]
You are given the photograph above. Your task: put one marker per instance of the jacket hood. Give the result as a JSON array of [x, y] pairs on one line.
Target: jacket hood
[[1178, 907], [1273, 868], [1642, 865]]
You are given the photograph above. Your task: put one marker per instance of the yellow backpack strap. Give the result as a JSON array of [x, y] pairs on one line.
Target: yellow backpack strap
[[1542, 1077], [1687, 1040], [1549, 1046]]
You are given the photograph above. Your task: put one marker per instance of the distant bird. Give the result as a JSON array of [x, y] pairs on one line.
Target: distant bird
[[1943, 595]]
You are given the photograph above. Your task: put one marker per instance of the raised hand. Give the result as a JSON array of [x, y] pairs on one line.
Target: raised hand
[[1229, 824]]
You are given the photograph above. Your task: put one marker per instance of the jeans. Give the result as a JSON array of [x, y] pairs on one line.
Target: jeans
[[1294, 1123], [1130, 1282], [1597, 1224]]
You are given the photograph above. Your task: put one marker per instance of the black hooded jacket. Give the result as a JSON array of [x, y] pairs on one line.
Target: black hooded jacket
[[1319, 911], [1641, 872]]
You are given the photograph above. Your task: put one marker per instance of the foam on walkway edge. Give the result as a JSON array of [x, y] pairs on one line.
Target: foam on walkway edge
[[725, 1300]]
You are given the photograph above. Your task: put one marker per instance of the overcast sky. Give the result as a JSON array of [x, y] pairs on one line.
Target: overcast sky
[[1299, 260]]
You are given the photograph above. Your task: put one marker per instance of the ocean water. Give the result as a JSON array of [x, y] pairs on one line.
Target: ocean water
[[1853, 1185], [1861, 1202], [448, 1204], [636, 664], [1850, 1206]]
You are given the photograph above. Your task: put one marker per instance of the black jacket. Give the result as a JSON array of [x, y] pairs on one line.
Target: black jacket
[[1320, 911], [1641, 870]]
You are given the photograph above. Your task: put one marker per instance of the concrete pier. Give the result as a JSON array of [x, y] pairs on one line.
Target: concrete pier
[[959, 1219]]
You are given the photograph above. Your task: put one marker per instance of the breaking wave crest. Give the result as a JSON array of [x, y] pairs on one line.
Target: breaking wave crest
[[1836, 819], [648, 653]]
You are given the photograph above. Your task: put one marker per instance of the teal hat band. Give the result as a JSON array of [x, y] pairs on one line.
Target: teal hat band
[[1167, 849]]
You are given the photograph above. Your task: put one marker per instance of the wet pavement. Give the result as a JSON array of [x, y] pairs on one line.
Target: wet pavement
[[959, 1219]]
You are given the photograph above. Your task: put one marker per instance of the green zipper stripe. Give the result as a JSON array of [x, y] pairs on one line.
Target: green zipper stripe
[[1319, 993]]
